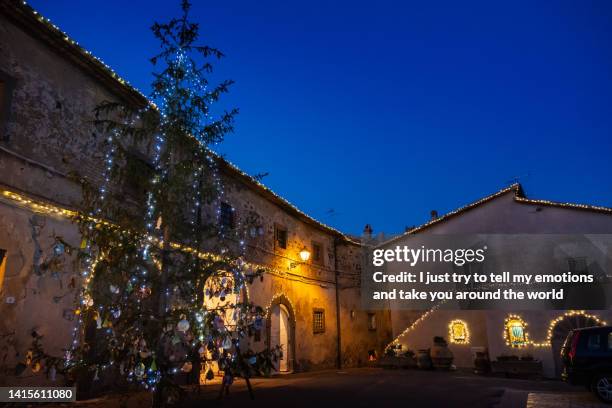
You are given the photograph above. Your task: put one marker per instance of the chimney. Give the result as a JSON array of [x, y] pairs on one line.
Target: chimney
[[367, 231], [434, 214]]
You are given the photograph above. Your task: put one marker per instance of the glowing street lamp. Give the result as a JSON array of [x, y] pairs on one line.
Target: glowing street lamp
[[305, 254]]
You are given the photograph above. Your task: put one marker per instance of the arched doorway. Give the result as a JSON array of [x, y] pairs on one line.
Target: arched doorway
[[223, 298], [560, 330], [281, 332]]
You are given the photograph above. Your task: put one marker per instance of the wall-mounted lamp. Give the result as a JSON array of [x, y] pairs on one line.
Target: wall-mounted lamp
[[304, 256]]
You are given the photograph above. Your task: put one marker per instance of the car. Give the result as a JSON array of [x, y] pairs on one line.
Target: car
[[587, 360]]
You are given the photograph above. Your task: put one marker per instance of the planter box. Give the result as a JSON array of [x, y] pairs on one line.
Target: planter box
[[397, 362], [519, 368]]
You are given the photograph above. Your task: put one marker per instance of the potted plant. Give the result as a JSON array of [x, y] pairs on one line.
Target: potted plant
[[441, 355]]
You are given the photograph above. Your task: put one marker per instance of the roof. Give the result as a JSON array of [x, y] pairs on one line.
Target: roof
[[270, 195], [519, 197], [28, 19], [43, 29]]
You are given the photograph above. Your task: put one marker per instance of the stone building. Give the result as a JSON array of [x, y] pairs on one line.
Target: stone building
[[539, 333], [49, 87]]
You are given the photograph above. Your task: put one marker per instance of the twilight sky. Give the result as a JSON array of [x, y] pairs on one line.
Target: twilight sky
[[382, 111]]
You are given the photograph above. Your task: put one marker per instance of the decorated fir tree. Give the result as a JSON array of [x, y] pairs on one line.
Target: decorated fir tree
[[164, 277]]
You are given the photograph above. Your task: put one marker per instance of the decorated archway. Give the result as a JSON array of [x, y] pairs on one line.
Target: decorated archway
[[280, 330], [561, 326]]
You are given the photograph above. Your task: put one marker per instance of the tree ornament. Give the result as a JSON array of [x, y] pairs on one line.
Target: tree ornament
[[210, 375], [113, 289], [187, 367], [139, 370], [218, 321], [58, 248], [227, 343], [96, 377], [153, 365], [36, 367], [183, 325], [258, 323], [52, 373]]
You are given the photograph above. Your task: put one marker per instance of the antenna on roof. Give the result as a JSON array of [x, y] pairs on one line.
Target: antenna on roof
[[517, 179], [331, 212], [260, 176]]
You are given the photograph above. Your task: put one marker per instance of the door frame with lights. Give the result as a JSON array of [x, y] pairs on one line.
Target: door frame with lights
[[286, 304]]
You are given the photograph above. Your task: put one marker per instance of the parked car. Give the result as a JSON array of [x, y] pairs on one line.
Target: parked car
[[587, 360]]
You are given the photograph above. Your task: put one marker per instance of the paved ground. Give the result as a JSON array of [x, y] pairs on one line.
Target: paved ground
[[565, 400], [372, 387]]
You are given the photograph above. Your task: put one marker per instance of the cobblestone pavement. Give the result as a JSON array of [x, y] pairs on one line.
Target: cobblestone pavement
[[563, 400]]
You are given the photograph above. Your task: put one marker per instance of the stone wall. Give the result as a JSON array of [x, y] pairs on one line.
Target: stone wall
[[39, 286]]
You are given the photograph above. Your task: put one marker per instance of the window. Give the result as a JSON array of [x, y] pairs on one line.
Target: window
[[226, 217], [594, 342], [7, 84], [514, 331], [318, 321], [317, 253], [371, 321], [280, 236], [458, 332], [578, 265]]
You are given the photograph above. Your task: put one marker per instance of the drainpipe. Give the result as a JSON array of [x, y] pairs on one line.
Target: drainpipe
[[336, 280]]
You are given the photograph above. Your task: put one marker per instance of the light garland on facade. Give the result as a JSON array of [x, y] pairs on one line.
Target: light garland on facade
[[560, 318], [515, 321], [463, 337], [277, 296], [84, 52], [510, 319], [49, 209], [420, 319], [516, 187]]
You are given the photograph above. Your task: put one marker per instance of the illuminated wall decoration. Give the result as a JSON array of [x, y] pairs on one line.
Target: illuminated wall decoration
[[396, 342], [458, 332], [515, 331], [558, 319]]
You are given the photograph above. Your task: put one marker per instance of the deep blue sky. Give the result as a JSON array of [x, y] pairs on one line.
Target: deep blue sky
[[385, 110]]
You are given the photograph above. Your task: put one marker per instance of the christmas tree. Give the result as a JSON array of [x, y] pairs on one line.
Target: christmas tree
[[164, 276]]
